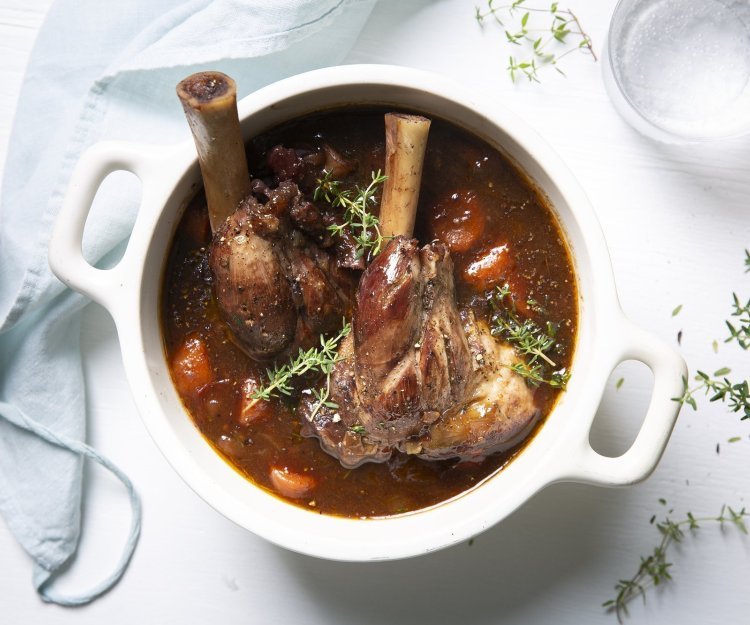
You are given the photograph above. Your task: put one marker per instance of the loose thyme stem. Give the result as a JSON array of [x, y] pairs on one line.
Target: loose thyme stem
[[719, 387], [564, 24], [654, 570], [586, 39]]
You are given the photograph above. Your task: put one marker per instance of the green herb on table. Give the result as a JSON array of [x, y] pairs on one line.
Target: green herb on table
[[747, 261], [533, 344], [656, 569], [718, 387], [619, 384], [363, 225], [546, 35], [314, 360], [741, 331], [677, 310]]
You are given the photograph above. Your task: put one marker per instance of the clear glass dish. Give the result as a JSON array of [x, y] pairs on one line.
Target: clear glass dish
[[679, 70]]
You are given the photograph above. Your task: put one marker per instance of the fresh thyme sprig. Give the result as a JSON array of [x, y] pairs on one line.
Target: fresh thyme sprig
[[531, 342], [735, 394], [534, 375], [316, 359], [740, 333], [719, 387], [526, 336], [655, 569], [364, 226], [563, 25]]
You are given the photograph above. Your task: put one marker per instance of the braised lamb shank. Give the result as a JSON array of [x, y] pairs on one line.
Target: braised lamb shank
[[279, 280], [416, 375], [276, 288]]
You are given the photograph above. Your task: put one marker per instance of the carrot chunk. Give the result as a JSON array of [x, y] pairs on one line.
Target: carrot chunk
[[191, 366], [291, 484], [489, 269], [458, 221]]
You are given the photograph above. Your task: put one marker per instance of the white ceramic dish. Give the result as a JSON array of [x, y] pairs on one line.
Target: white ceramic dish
[[559, 452]]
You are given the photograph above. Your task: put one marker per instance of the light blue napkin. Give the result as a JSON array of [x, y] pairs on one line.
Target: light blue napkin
[[106, 70]]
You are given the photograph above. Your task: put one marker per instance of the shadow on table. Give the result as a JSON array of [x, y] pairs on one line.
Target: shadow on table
[[710, 167], [508, 566]]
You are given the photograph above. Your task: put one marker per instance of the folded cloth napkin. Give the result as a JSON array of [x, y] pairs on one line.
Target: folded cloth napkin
[[106, 70]]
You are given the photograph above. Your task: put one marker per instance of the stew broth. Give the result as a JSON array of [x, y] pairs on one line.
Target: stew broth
[[467, 187]]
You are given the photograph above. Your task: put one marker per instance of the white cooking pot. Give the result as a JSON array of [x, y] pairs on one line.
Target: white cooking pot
[[560, 451]]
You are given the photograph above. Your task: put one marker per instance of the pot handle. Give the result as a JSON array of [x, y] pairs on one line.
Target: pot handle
[[65, 252], [639, 461]]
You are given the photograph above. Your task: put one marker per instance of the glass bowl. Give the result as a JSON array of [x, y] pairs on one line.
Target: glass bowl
[[679, 70]]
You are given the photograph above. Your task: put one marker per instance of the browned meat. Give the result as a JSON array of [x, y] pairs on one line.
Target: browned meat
[[339, 429], [304, 168], [251, 284], [322, 290], [347, 252], [276, 289], [301, 166], [412, 359], [498, 410], [415, 375]]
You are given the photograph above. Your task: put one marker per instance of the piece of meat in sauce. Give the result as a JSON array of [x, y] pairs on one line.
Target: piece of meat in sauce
[[416, 375], [279, 280], [306, 168]]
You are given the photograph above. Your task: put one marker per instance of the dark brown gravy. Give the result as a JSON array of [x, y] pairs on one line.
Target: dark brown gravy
[[460, 170]]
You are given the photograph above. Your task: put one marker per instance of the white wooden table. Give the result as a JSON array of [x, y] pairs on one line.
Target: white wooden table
[[677, 221]]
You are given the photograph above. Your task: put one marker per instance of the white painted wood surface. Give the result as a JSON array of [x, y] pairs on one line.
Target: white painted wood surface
[[677, 221]]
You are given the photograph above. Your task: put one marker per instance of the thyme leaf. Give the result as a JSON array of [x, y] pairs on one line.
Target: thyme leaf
[[741, 331], [363, 225], [533, 344]]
